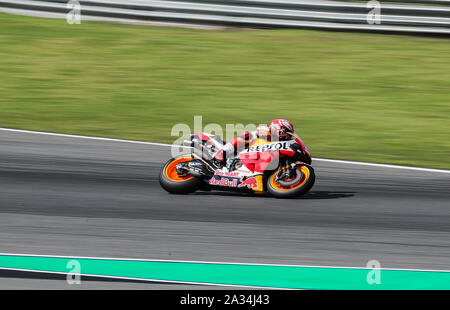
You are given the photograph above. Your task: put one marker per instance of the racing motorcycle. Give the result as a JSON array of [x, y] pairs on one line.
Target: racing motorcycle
[[282, 168]]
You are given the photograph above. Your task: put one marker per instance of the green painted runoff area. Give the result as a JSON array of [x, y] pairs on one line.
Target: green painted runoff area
[[237, 274]]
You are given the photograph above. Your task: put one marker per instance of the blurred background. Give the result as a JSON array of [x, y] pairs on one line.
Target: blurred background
[[362, 81], [356, 85]]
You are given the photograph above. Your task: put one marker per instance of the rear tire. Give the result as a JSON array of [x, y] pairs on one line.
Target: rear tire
[[175, 184], [300, 188]]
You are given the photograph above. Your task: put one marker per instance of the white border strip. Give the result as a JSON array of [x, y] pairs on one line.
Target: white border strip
[[362, 163], [208, 262], [80, 137], [165, 144]]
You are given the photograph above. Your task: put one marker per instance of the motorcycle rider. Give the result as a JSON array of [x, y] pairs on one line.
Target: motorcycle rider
[[278, 130]]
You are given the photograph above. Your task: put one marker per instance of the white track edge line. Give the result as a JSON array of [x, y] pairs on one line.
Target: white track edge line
[[167, 145]]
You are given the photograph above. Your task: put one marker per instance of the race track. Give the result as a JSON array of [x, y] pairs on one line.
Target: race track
[[83, 197]]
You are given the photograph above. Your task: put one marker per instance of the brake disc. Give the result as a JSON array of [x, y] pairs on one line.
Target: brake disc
[[297, 178]]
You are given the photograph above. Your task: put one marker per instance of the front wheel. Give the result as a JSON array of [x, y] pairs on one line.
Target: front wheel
[[297, 185], [172, 182]]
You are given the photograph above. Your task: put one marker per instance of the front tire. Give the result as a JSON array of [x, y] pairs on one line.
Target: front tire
[[304, 184], [175, 184]]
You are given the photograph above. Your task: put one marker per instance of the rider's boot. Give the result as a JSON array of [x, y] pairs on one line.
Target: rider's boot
[[218, 162]]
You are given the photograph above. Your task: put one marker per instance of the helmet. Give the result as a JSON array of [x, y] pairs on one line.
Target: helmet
[[263, 132], [281, 128]]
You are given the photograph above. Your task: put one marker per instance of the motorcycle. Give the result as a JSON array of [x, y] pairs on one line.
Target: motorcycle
[[281, 168]]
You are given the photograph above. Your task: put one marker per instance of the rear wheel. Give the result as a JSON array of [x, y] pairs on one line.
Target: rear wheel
[[174, 183], [297, 185]]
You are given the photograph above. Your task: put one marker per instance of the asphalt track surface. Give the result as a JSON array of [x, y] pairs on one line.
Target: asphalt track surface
[[82, 197]]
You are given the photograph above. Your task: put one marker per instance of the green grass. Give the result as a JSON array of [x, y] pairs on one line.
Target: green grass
[[367, 97]]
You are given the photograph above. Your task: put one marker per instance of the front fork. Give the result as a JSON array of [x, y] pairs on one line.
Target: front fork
[[288, 170]]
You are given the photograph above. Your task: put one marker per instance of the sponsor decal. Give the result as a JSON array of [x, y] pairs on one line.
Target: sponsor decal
[[227, 174], [224, 181], [250, 183], [271, 146]]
